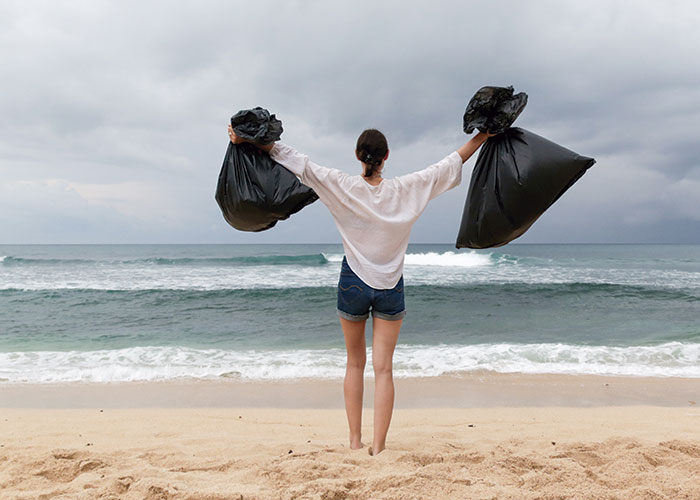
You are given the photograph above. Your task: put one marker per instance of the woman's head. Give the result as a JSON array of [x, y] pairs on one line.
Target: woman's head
[[371, 150]]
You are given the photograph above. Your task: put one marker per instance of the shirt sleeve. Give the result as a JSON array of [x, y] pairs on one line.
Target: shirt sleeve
[[289, 158], [322, 180], [437, 178]]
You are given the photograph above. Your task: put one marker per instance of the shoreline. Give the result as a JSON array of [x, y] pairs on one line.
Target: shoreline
[[477, 389]]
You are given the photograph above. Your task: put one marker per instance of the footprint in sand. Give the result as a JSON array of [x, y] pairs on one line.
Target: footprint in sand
[[65, 465]]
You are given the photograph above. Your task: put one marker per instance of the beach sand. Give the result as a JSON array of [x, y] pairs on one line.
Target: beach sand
[[547, 451]]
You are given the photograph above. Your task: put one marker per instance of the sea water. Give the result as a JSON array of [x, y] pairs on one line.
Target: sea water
[[111, 313]]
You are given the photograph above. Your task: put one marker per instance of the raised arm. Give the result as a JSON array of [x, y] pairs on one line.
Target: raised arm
[[238, 140], [426, 184], [467, 150], [319, 178]]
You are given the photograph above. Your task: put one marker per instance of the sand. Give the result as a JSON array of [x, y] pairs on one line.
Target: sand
[[501, 452]]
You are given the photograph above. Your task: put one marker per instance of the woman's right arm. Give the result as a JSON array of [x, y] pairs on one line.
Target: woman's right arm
[[442, 176], [469, 148]]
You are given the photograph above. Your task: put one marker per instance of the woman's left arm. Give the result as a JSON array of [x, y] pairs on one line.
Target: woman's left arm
[[310, 173], [239, 140]]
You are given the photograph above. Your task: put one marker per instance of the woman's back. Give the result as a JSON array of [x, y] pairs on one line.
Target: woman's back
[[374, 221]]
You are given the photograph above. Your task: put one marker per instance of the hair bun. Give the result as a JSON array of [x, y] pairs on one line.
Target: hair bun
[[371, 149], [371, 159]]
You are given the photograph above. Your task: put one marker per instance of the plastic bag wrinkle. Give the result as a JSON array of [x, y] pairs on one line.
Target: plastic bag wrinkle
[[518, 175], [257, 125], [493, 109], [253, 191]]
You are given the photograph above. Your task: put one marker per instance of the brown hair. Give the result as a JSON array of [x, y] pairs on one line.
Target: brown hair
[[371, 149]]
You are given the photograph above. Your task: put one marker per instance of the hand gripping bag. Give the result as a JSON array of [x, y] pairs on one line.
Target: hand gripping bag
[[493, 109], [518, 175], [257, 125], [254, 191]]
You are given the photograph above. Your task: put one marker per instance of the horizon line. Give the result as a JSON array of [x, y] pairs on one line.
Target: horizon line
[[339, 243]]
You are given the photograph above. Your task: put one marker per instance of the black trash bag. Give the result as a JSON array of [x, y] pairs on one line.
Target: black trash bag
[[518, 175], [493, 109], [254, 191], [257, 125]]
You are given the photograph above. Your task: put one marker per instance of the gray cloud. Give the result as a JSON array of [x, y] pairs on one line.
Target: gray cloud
[[113, 121]]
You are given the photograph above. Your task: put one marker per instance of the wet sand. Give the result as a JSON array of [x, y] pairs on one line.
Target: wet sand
[[465, 390]]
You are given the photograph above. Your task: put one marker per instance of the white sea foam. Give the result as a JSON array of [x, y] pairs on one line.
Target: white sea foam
[[672, 359], [429, 268], [444, 259], [448, 259], [333, 257]]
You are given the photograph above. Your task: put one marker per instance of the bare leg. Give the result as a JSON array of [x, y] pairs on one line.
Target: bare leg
[[354, 332], [384, 336]]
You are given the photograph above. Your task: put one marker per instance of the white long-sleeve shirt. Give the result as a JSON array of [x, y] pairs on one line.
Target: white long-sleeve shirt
[[374, 221]]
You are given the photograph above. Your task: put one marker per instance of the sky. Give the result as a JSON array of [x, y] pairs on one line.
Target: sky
[[113, 115]]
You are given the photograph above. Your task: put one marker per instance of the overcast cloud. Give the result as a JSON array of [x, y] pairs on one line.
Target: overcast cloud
[[113, 114]]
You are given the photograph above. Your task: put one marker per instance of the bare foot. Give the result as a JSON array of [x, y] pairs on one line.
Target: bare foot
[[357, 446], [372, 452]]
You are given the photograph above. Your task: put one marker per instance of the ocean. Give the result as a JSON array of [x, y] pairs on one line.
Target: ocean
[[117, 313]]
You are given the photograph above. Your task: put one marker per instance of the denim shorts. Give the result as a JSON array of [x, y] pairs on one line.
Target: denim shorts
[[356, 298]]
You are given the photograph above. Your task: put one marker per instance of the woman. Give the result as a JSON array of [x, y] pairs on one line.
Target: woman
[[374, 216]]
